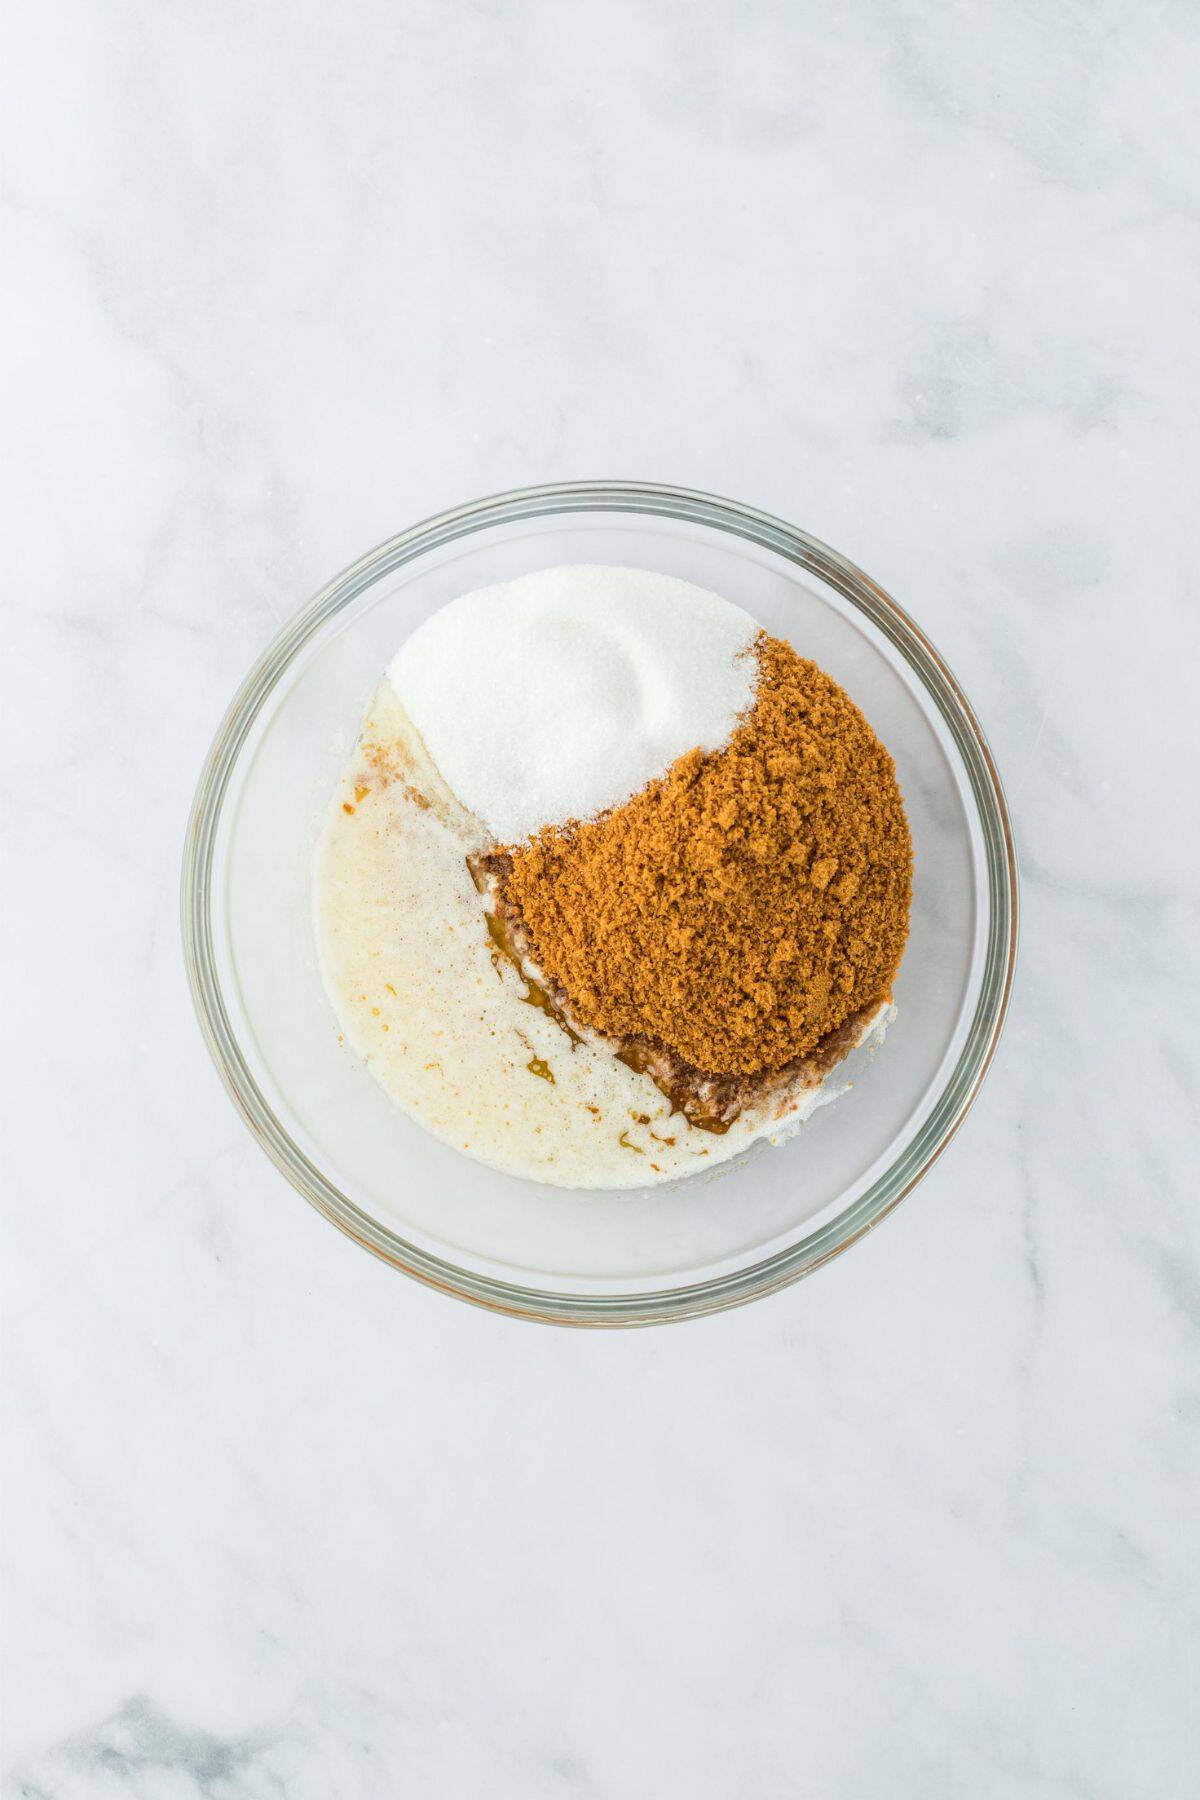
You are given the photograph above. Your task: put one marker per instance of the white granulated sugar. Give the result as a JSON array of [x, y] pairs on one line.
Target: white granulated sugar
[[560, 695]]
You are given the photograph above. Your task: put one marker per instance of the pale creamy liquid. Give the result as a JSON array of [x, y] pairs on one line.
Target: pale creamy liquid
[[441, 1017]]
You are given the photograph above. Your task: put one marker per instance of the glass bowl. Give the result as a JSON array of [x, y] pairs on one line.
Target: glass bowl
[[588, 1258]]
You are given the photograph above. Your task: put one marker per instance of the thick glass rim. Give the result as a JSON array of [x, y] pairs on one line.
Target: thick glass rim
[[826, 1241]]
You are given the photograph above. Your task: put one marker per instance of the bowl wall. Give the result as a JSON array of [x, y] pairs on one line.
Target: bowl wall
[[549, 1252]]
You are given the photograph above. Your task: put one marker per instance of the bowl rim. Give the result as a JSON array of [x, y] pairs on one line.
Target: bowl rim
[[814, 1249]]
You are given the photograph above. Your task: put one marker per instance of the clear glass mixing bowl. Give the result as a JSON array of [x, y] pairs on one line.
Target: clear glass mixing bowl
[[517, 1246]]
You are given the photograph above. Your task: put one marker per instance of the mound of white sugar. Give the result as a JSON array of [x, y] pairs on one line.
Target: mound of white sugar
[[562, 694]]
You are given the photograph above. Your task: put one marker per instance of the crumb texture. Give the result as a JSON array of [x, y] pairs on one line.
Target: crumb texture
[[745, 905]]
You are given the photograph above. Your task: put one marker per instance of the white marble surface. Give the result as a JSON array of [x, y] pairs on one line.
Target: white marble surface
[[923, 277]]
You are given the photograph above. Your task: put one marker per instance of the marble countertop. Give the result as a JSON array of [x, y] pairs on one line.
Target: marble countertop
[[280, 280]]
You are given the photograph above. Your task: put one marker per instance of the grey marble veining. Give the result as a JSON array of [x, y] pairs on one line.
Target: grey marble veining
[[922, 277]]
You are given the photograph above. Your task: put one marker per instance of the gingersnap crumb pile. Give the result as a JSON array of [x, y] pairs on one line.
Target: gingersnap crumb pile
[[743, 907]]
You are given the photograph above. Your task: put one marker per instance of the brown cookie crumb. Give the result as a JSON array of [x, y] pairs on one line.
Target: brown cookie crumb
[[744, 906]]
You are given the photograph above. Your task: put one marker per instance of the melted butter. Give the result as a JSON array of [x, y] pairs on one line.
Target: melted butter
[[641, 1058], [535, 994], [638, 1057]]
